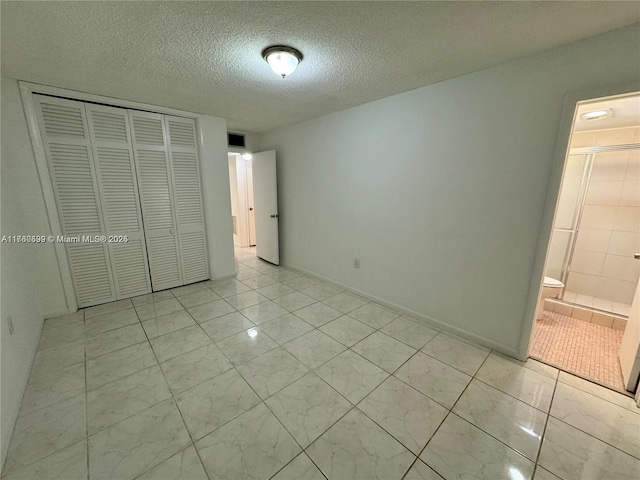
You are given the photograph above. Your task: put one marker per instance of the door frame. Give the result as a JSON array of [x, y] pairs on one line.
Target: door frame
[[571, 101], [27, 90]]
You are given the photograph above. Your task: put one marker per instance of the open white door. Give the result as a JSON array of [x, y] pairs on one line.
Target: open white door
[[265, 195], [630, 347]]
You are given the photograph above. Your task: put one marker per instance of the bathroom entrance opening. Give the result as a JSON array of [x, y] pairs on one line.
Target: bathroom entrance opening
[[587, 316]]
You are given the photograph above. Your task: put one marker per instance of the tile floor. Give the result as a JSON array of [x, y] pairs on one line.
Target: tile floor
[[275, 375], [588, 350]]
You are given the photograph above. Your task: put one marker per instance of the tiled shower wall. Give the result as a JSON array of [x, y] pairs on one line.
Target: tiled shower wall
[[602, 265]]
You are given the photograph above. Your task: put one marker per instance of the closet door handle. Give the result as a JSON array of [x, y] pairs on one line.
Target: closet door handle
[[171, 231]]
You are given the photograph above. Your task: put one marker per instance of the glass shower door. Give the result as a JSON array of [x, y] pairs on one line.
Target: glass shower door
[[567, 218]]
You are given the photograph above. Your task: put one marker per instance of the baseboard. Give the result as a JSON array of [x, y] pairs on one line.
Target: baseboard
[[427, 320], [59, 313], [224, 275]]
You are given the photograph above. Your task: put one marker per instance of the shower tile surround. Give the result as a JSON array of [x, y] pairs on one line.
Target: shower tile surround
[[603, 275], [587, 314], [332, 388]]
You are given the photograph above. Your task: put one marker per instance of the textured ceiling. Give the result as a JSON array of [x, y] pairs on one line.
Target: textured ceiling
[[204, 57]]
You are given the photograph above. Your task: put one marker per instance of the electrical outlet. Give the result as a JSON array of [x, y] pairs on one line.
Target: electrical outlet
[[356, 263], [10, 324]]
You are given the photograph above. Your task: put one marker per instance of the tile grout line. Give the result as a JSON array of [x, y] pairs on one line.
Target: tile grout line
[[86, 398], [544, 430], [84, 362], [175, 402], [389, 375], [582, 377], [145, 409], [596, 438], [354, 406], [234, 367], [310, 371], [46, 406], [450, 411], [303, 450], [263, 401]]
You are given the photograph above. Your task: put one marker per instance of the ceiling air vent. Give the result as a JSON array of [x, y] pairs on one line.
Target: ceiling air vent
[[236, 140]]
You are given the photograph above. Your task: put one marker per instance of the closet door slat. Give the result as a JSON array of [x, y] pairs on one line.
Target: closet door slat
[[157, 198], [118, 187], [188, 198], [65, 134]]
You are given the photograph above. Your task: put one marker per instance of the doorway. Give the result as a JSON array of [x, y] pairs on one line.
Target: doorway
[[591, 275], [254, 203], [242, 204]]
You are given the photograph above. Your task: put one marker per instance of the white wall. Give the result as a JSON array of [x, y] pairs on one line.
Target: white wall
[[233, 185], [216, 195], [30, 281], [440, 191]]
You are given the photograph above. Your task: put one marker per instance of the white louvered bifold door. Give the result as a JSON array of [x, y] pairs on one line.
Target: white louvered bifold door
[[118, 187], [156, 194], [183, 154], [65, 135]]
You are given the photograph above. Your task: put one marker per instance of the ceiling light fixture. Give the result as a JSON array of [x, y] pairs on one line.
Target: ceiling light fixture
[[597, 114], [282, 59]]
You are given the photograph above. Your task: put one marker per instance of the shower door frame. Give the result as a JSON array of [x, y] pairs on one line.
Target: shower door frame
[[577, 215], [591, 153]]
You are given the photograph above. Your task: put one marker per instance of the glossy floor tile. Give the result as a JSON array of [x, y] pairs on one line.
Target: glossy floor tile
[[352, 375], [383, 350], [347, 330], [461, 450], [533, 388], [435, 379], [253, 446], [456, 352], [572, 454], [286, 328], [275, 375], [269, 373], [308, 407], [405, 413], [506, 418], [134, 445], [355, 447], [299, 468]]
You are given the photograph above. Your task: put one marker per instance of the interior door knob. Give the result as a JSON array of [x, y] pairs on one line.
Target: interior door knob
[[274, 215], [636, 256]]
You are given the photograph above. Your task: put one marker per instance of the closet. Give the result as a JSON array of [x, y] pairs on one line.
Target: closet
[[124, 173]]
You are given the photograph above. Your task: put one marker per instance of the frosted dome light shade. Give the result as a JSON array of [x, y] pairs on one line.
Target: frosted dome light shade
[[282, 60], [597, 114], [283, 63]]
